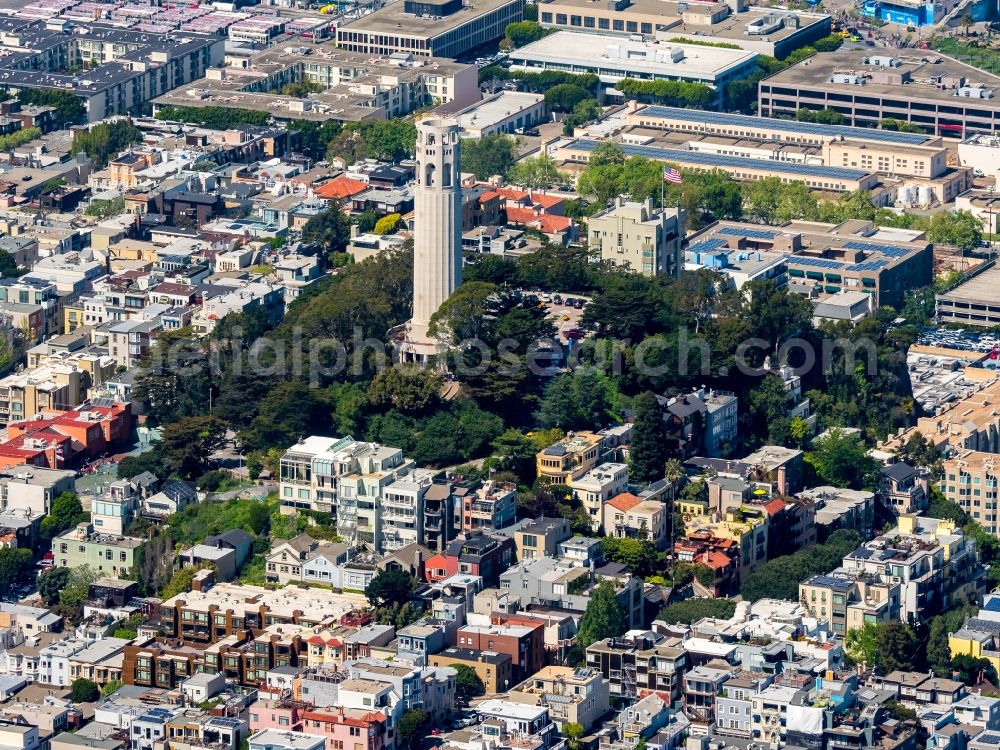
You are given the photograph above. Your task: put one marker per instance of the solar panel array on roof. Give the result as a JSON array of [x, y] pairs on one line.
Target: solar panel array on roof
[[718, 161], [871, 247], [706, 245], [756, 234], [791, 126], [815, 262], [872, 265]]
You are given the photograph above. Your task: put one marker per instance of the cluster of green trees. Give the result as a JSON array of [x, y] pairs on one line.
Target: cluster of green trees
[[919, 647], [496, 154], [539, 83], [387, 140], [490, 155], [708, 196], [104, 140], [779, 578], [741, 94], [217, 118], [18, 138], [101, 209], [301, 89], [825, 116], [69, 109], [674, 93], [521, 33]]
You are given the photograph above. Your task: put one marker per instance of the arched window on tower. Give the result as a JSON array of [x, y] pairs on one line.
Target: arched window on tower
[[429, 175], [430, 139], [446, 176]]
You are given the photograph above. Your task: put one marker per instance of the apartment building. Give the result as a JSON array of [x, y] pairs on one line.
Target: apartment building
[[31, 491], [847, 603], [580, 696], [596, 487], [568, 581], [312, 469], [746, 526], [355, 85], [489, 507], [970, 480], [627, 516], [578, 453], [940, 94], [639, 662], [477, 554], [903, 488], [493, 668], [524, 644], [972, 424], [440, 29], [701, 688], [403, 510], [639, 237], [54, 386], [228, 609], [703, 422], [540, 538], [934, 564], [107, 554]]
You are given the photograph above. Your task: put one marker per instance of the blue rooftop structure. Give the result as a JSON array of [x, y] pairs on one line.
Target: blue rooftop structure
[[792, 126]]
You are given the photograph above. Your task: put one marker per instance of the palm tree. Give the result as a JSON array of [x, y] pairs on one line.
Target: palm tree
[[672, 472]]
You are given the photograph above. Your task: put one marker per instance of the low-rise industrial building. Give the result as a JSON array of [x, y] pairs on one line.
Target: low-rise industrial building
[[438, 28], [973, 302], [503, 112], [938, 93], [614, 59], [769, 32], [816, 176], [823, 259]]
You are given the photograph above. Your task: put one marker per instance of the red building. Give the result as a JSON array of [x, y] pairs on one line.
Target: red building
[[476, 554], [523, 641], [57, 439]]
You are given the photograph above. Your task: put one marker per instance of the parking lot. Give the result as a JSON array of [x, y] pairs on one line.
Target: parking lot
[[565, 317]]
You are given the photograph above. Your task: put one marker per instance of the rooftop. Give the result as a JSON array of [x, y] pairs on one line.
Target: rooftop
[[393, 19], [618, 56], [924, 70]]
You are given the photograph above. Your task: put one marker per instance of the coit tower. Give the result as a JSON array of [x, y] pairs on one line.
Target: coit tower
[[437, 242]]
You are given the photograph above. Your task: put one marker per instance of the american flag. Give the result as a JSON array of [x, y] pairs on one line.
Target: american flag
[[672, 175]]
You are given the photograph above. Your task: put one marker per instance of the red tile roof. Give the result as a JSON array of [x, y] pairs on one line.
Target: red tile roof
[[624, 501], [341, 187], [528, 198]]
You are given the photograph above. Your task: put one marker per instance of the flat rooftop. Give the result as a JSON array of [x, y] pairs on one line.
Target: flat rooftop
[[616, 54], [748, 122], [922, 67], [721, 161], [393, 19], [980, 289], [496, 108]]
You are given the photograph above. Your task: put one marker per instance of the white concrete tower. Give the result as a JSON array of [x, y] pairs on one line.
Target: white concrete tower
[[437, 239]]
